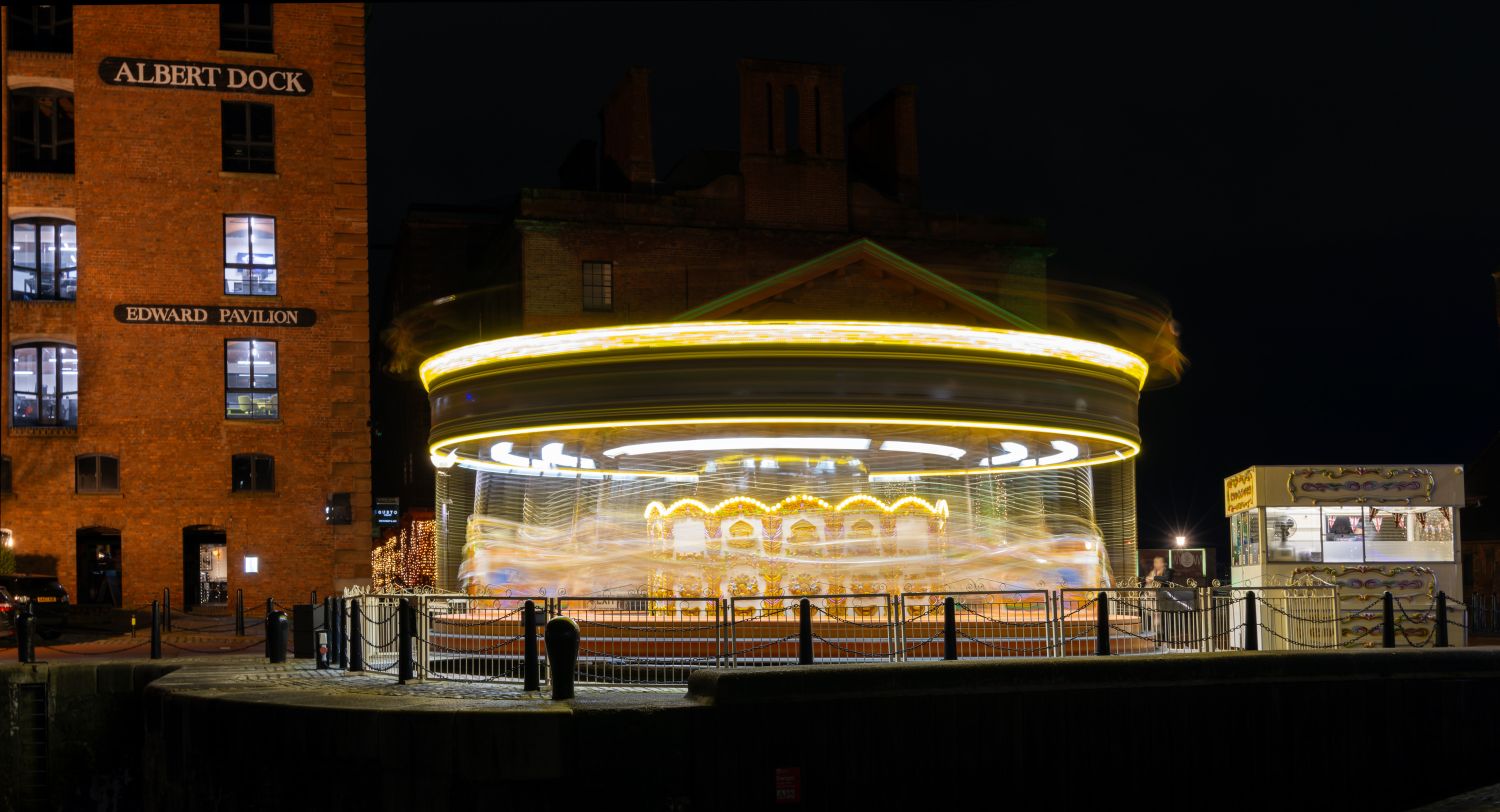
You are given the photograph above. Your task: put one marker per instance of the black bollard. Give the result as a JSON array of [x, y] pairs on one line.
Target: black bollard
[[804, 633], [328, 626], [1388, 621], [950, 631], [1442, 620], [239, 612], [1101, 643], [356, 640], [405, 631], [341, 632], [166, 607], [1252, 623], [155, 631], [270, 606], [562, 652], [532, 668], [25, 636], [276, 629]]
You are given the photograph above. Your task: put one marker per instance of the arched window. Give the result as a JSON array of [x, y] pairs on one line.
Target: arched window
[[41, 130], [96, 473], [44, 385], [770, 118], [43, 259], [35, 27], [253, 473], [793, 120], [818, 120]]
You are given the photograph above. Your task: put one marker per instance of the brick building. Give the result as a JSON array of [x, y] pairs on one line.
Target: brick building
[[185, 324], [721, 235]]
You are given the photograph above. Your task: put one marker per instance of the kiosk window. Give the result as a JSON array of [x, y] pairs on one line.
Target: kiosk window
[[1344, 535], [1405, 534], [1294, 534]]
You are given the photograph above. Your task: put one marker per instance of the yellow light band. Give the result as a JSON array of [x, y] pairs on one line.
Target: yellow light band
[[700, 334], [446, 446]]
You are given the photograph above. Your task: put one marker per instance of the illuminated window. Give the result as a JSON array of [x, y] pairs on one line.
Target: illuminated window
[[249, 255], [245, 27], [253, 472], [250, 380], [96, 473], [41, 27], [41, 130], [44, 385], [43, 259], [598, 286], [249, 137], [1294, 534]]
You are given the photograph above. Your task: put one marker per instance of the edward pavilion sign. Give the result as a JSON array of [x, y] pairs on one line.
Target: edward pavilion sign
[[216, 315], [168, 73]]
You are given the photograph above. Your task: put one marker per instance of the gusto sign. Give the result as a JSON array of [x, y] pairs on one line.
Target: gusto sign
[[116, 70]]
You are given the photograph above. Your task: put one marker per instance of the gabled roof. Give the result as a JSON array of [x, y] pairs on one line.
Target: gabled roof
[[874, 255]]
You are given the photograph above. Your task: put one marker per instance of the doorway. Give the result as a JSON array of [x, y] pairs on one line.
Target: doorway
[[98, 567], [205, 567]]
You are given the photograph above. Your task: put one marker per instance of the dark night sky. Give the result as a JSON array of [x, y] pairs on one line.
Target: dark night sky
[[1315, 192]]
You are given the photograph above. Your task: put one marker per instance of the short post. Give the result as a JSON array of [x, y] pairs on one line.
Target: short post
[[562, 638], [950, 631], [314, 600], [532, 669], [356, 641], [1387, 621], [239, 612], [25, 637], [404, 633], [276, 629], [321, 641], [166, 607], [329, 624], [1252, 623], [270, 606], [1101, 642], [341, 632], [804, 633], [155, 631], [1442, 620]]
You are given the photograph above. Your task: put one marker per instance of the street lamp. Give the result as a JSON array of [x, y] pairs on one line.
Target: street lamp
[[1181, 541]]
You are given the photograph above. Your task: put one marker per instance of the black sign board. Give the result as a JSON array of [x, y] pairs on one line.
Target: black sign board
[[119, 70], [218, 315]]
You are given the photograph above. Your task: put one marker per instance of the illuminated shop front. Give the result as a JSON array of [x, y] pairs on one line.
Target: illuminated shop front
[[749, 458], [1365, 530]]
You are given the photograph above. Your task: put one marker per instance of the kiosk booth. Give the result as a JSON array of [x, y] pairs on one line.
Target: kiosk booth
[[1365, 530]]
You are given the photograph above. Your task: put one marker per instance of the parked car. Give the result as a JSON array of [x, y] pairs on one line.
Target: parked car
[[43, 595]]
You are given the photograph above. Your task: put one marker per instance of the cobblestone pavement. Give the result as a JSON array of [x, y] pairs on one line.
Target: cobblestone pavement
[[254, 675]]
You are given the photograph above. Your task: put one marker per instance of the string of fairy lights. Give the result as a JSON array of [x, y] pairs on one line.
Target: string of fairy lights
[[408, 559]]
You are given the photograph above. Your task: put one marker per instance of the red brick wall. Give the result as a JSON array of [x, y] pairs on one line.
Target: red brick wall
[[149, 199]]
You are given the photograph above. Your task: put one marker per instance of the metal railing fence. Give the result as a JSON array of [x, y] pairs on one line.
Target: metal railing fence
[[661, 640]]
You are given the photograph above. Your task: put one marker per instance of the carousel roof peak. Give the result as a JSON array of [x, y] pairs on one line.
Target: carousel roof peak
[[987, 313]]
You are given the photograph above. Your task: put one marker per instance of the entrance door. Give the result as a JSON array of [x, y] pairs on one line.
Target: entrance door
[[205, 567], [98, 567]]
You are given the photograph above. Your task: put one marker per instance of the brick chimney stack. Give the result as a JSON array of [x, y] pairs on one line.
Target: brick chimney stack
[[883, 146], [792, 145], [625, 131]]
